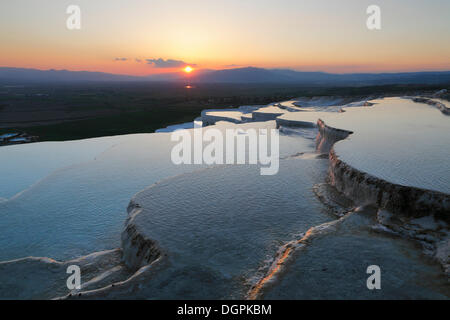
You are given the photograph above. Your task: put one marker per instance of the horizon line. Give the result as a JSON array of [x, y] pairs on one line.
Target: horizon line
[[235, 68]]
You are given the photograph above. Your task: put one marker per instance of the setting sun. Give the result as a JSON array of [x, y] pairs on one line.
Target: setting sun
[[188, 69]]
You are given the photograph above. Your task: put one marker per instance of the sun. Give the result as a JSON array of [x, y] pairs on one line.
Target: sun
[[188, 69]]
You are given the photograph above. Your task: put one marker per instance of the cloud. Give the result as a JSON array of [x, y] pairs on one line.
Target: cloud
[[120, 59], [138, 60], [169, 63]]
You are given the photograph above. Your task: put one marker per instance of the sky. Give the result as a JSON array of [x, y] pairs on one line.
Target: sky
[[143, 37]]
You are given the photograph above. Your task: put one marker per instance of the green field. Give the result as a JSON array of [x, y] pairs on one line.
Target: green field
[[123, 108]]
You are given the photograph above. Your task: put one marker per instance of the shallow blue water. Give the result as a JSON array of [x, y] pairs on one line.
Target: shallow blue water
[[399, 141], [80, 207], [219, 227], [23, 165], [335, 267]]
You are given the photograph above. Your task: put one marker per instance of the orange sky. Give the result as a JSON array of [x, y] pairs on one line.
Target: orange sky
[[303, 35]]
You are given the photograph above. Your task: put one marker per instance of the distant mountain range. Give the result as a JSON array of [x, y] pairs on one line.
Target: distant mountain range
[[238, 75]]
